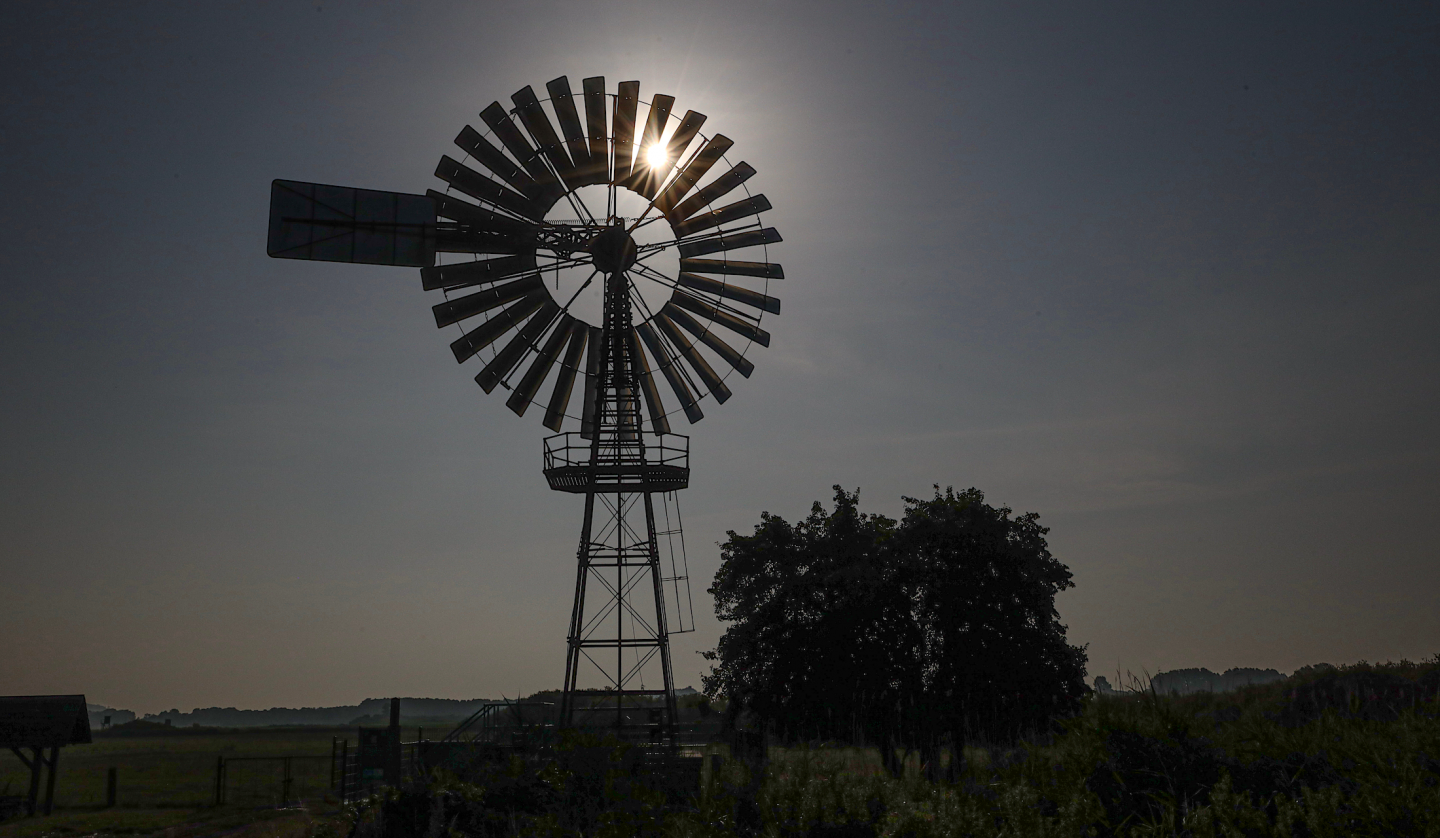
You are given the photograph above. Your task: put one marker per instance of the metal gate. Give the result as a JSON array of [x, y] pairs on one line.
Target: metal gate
[[272, 781]]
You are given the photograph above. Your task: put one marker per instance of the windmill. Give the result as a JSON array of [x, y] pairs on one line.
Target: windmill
[[602, 252]]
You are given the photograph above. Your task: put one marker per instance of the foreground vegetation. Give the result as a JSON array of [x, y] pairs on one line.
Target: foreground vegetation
[[1331, 753], [207, 822], [1251, 763]]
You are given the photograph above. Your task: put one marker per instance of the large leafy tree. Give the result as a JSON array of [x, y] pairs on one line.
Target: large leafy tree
[[933, 630], [984, 584], [813, 620]]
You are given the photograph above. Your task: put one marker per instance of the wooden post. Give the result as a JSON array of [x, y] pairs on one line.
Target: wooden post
[[392, 745], [344, 769], [37, 763], [50, 781], [286, 784], [110, 788], [219, 780]]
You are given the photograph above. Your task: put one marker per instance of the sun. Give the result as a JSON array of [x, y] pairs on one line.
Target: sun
[[655, 156]]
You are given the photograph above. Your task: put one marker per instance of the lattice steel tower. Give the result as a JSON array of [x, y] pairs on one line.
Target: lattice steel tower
[[618, 623], [515, 248]]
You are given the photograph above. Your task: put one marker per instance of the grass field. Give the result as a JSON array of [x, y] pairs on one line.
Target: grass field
[[176, 769]]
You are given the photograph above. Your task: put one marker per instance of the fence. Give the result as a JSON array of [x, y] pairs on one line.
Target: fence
[[497, 732], [273, 781]]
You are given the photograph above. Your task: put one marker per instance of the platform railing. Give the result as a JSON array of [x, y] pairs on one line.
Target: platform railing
[[571, 449], [650, 463]]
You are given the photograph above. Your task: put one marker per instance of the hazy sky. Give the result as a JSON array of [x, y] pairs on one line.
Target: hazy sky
[[1164, 273]]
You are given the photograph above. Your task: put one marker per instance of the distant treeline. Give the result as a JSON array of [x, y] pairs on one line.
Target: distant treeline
[[1192, 681], [99, 713], [369, 711]]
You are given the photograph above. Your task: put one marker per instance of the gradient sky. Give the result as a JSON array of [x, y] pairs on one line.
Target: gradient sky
[[1164, 273]]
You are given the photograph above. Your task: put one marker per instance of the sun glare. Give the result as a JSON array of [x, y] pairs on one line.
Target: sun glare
[[655, 156]]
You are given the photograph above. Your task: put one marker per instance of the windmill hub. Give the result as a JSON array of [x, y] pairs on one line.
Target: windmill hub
[[613, 251]]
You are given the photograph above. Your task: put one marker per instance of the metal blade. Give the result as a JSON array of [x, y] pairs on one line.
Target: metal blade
[[717, 188], [656, 408], [478, 230], [769, 270], [509, 135], [680, 140], [466, 213], [530, 384], [342, 224], [476, 273], [537, 122], [674, 150], [730, 292], [672, 375], [482, 188], [596, 131], [592, 381], [453, 311], [482, 336], [565, 378], [467, 241], [493, 159], [623, 124], [731, 212], [693, 171], [574, 132], [724, 318], [657, 119], [708, 337], [697, 361], [734, 241], [506, 359], [655, 122]]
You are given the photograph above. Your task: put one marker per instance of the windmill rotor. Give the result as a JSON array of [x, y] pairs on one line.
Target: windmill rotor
[[535, 219]]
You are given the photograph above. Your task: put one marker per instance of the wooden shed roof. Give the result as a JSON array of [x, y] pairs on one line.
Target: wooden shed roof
[[43, 721]]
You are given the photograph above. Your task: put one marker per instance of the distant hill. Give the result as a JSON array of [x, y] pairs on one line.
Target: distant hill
[[369, 712]]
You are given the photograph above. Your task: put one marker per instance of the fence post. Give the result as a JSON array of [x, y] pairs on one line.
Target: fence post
[[286, 784], [50, 781], [392, 745], [344, 770], [110, 788], [219, 780]]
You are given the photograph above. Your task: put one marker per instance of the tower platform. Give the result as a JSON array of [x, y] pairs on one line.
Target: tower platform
[[651, 463]]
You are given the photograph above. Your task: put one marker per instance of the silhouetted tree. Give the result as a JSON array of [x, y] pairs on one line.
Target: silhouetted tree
[[928, 632], [996, 663], [814, 619]]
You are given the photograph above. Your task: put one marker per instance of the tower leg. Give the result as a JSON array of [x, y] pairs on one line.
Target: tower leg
[[577, 616], [671, 714]]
